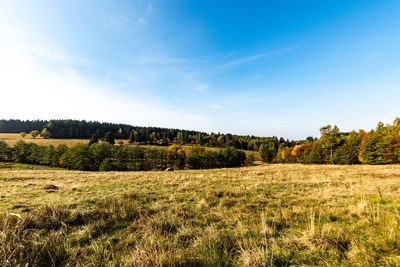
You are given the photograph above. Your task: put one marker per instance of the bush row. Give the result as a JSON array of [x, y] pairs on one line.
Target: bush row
[[107, 157]]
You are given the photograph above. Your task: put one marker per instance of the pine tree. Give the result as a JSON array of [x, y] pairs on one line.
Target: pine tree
[[109, 138], [94, 139]]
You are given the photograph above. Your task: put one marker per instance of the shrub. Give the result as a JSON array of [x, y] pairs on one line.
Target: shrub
[[21, 152], [34, 133], [5, 152], [78, 158], [227, 157], [106, 165], [100, 152]]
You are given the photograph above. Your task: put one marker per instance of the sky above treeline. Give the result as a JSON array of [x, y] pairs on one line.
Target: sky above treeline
[[264, 68]]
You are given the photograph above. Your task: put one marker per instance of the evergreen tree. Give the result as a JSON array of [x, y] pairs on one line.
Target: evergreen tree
[[179, 138], [94, 139], [5, 151], [109, 138]]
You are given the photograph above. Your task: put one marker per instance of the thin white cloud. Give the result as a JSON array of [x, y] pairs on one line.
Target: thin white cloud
[[200, 87], [142, 20], [255, 57], [34, 90], [215, 106]]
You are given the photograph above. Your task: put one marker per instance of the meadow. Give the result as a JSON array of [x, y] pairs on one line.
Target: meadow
[[12, 138], [266, 215]]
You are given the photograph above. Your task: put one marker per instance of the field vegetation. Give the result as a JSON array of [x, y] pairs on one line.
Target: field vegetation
[[377, 146], [109, 157], [265, 215], [81, 129], [345, 212], [12, 138]]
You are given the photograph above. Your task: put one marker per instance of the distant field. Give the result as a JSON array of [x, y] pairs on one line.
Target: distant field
[[12, 138], [281, 215]]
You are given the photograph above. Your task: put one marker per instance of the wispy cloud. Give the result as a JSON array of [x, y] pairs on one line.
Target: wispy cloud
[[200, 87], [50, 53], [232, 61], [146, 14], [37, 90], [196, 73], [152, 85], [142, 20], [215, 106]]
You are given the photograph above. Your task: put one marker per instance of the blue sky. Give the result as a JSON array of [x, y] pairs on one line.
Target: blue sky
[[266, 68]]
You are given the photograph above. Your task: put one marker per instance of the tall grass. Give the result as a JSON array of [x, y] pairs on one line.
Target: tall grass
[[262, 216]]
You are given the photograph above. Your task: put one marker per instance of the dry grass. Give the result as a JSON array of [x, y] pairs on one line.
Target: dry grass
[[12, 138], [257, 216]]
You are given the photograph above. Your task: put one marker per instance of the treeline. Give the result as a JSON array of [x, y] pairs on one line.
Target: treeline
[[19, 126], [107, 157], [80, 129], [379, 146]]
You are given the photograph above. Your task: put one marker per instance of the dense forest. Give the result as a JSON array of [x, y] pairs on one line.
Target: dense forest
[[378, 146], [77, 129]]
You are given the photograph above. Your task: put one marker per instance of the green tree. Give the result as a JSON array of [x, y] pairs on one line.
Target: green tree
[[109, 138], [397, 153], [99, 152], [34, 133], [316, 155], [165, 140], [153, 137], [78, 158], [45, 133], [176, 156], [120, 134], [329, 139], [50, 157], [21, 152], [396, 122], [267, 151], [179, 138], [347, 153], [5, 151], [221, 141], [372, 149], [107, 165], [22, 134], [132, 137], [94, 139], [380, 146]]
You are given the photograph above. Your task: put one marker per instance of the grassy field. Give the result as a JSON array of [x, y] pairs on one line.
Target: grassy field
[[266, 215], [12, 138]]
